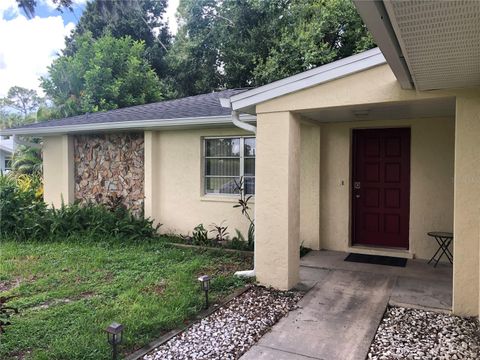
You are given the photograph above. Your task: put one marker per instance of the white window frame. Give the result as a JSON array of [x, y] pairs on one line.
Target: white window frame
[[9, 159], [242, 162]]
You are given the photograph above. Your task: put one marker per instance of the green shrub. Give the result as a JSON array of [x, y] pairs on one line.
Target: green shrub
[[238, 242], [23, 215], [200, 235]]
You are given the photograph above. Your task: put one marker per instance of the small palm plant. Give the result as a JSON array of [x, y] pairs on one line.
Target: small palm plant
[[243, 205], [27, 160], [220, 231]]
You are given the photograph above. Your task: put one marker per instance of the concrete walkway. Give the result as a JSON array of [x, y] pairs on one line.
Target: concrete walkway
[[339, 315]]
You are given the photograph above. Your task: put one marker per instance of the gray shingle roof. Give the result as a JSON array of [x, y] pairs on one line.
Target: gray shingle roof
[[205, 105]]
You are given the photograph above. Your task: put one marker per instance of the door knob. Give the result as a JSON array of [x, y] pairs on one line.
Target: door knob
[[357, 196]]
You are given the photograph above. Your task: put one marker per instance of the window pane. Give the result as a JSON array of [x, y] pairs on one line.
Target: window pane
[[222, 147], [249, 165], [225, 167], [249, 147], [221, 185], [249, 185]]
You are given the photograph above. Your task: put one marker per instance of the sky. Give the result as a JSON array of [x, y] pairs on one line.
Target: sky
[[28, 46]]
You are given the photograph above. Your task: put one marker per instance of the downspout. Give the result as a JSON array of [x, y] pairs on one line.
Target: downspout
[[241, 124], [250, 128]]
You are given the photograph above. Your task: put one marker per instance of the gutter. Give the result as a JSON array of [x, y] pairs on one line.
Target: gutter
[[250, 128], [125, 125]]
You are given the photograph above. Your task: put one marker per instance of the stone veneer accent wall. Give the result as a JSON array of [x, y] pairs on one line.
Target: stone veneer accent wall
[[110, 164]]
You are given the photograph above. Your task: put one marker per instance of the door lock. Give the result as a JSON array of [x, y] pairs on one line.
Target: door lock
[[356, 185]]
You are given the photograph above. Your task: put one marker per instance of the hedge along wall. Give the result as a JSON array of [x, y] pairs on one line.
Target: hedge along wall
[[110, 166]]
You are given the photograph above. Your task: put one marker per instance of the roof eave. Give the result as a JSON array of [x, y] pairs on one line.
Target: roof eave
[[247, 100], [378, 23], [176, 123], [6, 149]]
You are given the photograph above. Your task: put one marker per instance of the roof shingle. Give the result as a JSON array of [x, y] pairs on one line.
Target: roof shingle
[[205, 105]]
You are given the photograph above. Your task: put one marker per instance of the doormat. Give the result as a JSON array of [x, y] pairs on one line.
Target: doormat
[[376, 259]]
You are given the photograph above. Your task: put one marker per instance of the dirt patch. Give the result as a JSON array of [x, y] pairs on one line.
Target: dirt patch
[[225, 269], [8, 285], [108, 277], [19, 355], [55, 302], [158, 288]]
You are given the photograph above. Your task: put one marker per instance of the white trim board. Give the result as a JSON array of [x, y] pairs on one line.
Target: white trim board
[[319, 75], [177, 123], [378, 23]]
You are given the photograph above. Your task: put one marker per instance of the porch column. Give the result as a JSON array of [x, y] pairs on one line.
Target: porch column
[[277, 200], [150, 182], [58, 170], [467, 206], [310, 186]]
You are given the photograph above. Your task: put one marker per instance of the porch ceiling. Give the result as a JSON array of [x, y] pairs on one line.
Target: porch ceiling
[[438, 107], [438, 40]]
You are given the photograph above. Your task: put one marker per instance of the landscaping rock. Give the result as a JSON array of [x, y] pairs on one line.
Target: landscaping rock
[[419, 334], [232, 330]]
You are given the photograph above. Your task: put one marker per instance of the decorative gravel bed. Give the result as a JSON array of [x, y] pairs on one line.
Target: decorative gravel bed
[[232, 330], [419, 334]]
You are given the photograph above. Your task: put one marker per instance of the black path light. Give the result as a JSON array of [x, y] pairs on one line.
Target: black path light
[[114, 337], [205, 286]]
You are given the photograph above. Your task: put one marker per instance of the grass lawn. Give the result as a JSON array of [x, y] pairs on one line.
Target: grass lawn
[[69, 292]]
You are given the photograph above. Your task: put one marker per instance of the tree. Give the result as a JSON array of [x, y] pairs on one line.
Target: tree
[[103, 74], [238, 43], [140, 19], [193, 62], [22, 100], [313, 35], [28, 6]]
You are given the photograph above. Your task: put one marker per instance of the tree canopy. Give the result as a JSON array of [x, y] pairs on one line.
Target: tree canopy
[[102, 74], [121, 52], [28, 6], [230, 43], [140, 19], [23, 100]]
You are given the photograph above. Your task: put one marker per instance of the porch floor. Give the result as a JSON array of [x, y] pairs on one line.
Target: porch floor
[[339, 315], [418, 284]]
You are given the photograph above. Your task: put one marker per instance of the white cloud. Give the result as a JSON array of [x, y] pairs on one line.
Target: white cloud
[[170, 15], [52, 6], [8, 8], [27, 47]]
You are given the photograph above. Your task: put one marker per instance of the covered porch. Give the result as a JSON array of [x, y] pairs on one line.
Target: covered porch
[[305, 184]]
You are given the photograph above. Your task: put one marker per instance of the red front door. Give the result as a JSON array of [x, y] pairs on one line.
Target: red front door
[[381, 187]]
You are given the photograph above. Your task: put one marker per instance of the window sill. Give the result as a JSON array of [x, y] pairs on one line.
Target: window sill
[[224, 198]]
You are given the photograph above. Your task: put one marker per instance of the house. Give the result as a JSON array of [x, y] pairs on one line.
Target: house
[[6, 153], [366, 154]]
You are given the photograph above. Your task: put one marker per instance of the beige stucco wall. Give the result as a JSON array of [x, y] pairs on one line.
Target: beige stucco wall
[[467, 205], [173, 180], [57, 152], [375, 85], [431, 192], [277, 244], [310, 185]]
